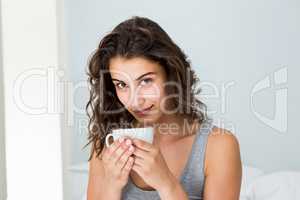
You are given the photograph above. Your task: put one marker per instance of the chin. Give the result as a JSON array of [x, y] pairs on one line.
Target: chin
[[149, 120]]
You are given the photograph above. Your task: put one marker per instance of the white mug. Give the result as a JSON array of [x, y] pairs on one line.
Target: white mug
[[145, 134]]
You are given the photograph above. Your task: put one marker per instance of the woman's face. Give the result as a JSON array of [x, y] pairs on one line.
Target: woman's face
[[139, 85]]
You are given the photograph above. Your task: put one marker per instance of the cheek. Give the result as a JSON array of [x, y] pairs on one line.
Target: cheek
[[123, 97], [161, 96], [153, 93]]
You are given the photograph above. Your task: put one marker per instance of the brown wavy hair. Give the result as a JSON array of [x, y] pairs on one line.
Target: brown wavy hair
[[136, 37]]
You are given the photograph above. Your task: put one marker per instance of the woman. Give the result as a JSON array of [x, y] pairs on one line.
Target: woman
[[139, 77]]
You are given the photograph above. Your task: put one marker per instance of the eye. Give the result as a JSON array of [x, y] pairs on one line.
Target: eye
[[146, 81], [121, 85]]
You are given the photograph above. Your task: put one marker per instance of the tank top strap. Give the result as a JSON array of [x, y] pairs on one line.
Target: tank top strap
[[195, 166]]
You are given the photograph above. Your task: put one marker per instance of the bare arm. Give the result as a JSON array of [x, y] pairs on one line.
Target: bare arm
[[223, 167]]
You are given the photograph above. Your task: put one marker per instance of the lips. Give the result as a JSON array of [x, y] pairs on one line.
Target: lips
[[144, 111]]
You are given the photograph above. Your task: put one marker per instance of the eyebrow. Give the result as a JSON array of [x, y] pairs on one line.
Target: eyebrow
[[140, 77]]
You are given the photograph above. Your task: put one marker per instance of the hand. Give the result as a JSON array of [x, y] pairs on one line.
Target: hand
[[117, 163], [151, 166]]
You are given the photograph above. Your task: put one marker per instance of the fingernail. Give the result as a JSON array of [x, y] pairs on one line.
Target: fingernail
[[131, 148], [128, 142]]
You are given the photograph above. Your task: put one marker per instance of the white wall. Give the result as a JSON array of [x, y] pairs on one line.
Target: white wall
[[2, 145], [33, 133], [2, 130], [232, 44]]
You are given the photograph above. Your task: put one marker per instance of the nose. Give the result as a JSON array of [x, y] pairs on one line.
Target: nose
[[137, 101]]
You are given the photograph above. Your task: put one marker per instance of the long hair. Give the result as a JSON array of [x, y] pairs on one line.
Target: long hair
[[136, 37]]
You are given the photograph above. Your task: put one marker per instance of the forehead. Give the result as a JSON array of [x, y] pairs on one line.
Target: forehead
[[132, 68]]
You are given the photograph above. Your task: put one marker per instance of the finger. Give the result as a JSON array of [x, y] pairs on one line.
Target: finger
[[108, 151], [143, 144], [139, 161], [118, 153], [124, 157], [141, 153], [128, 166]]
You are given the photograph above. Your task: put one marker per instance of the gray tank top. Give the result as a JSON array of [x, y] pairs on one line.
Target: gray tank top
[[192, 177]]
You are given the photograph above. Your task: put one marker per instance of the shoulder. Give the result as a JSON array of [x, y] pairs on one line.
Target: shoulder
[[222, 137], [222, 150]]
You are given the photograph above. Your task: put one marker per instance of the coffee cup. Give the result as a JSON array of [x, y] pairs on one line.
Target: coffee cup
[[145, 134]]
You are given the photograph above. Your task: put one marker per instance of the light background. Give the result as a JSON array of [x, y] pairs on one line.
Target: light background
[[238, 42], [232, 44]]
